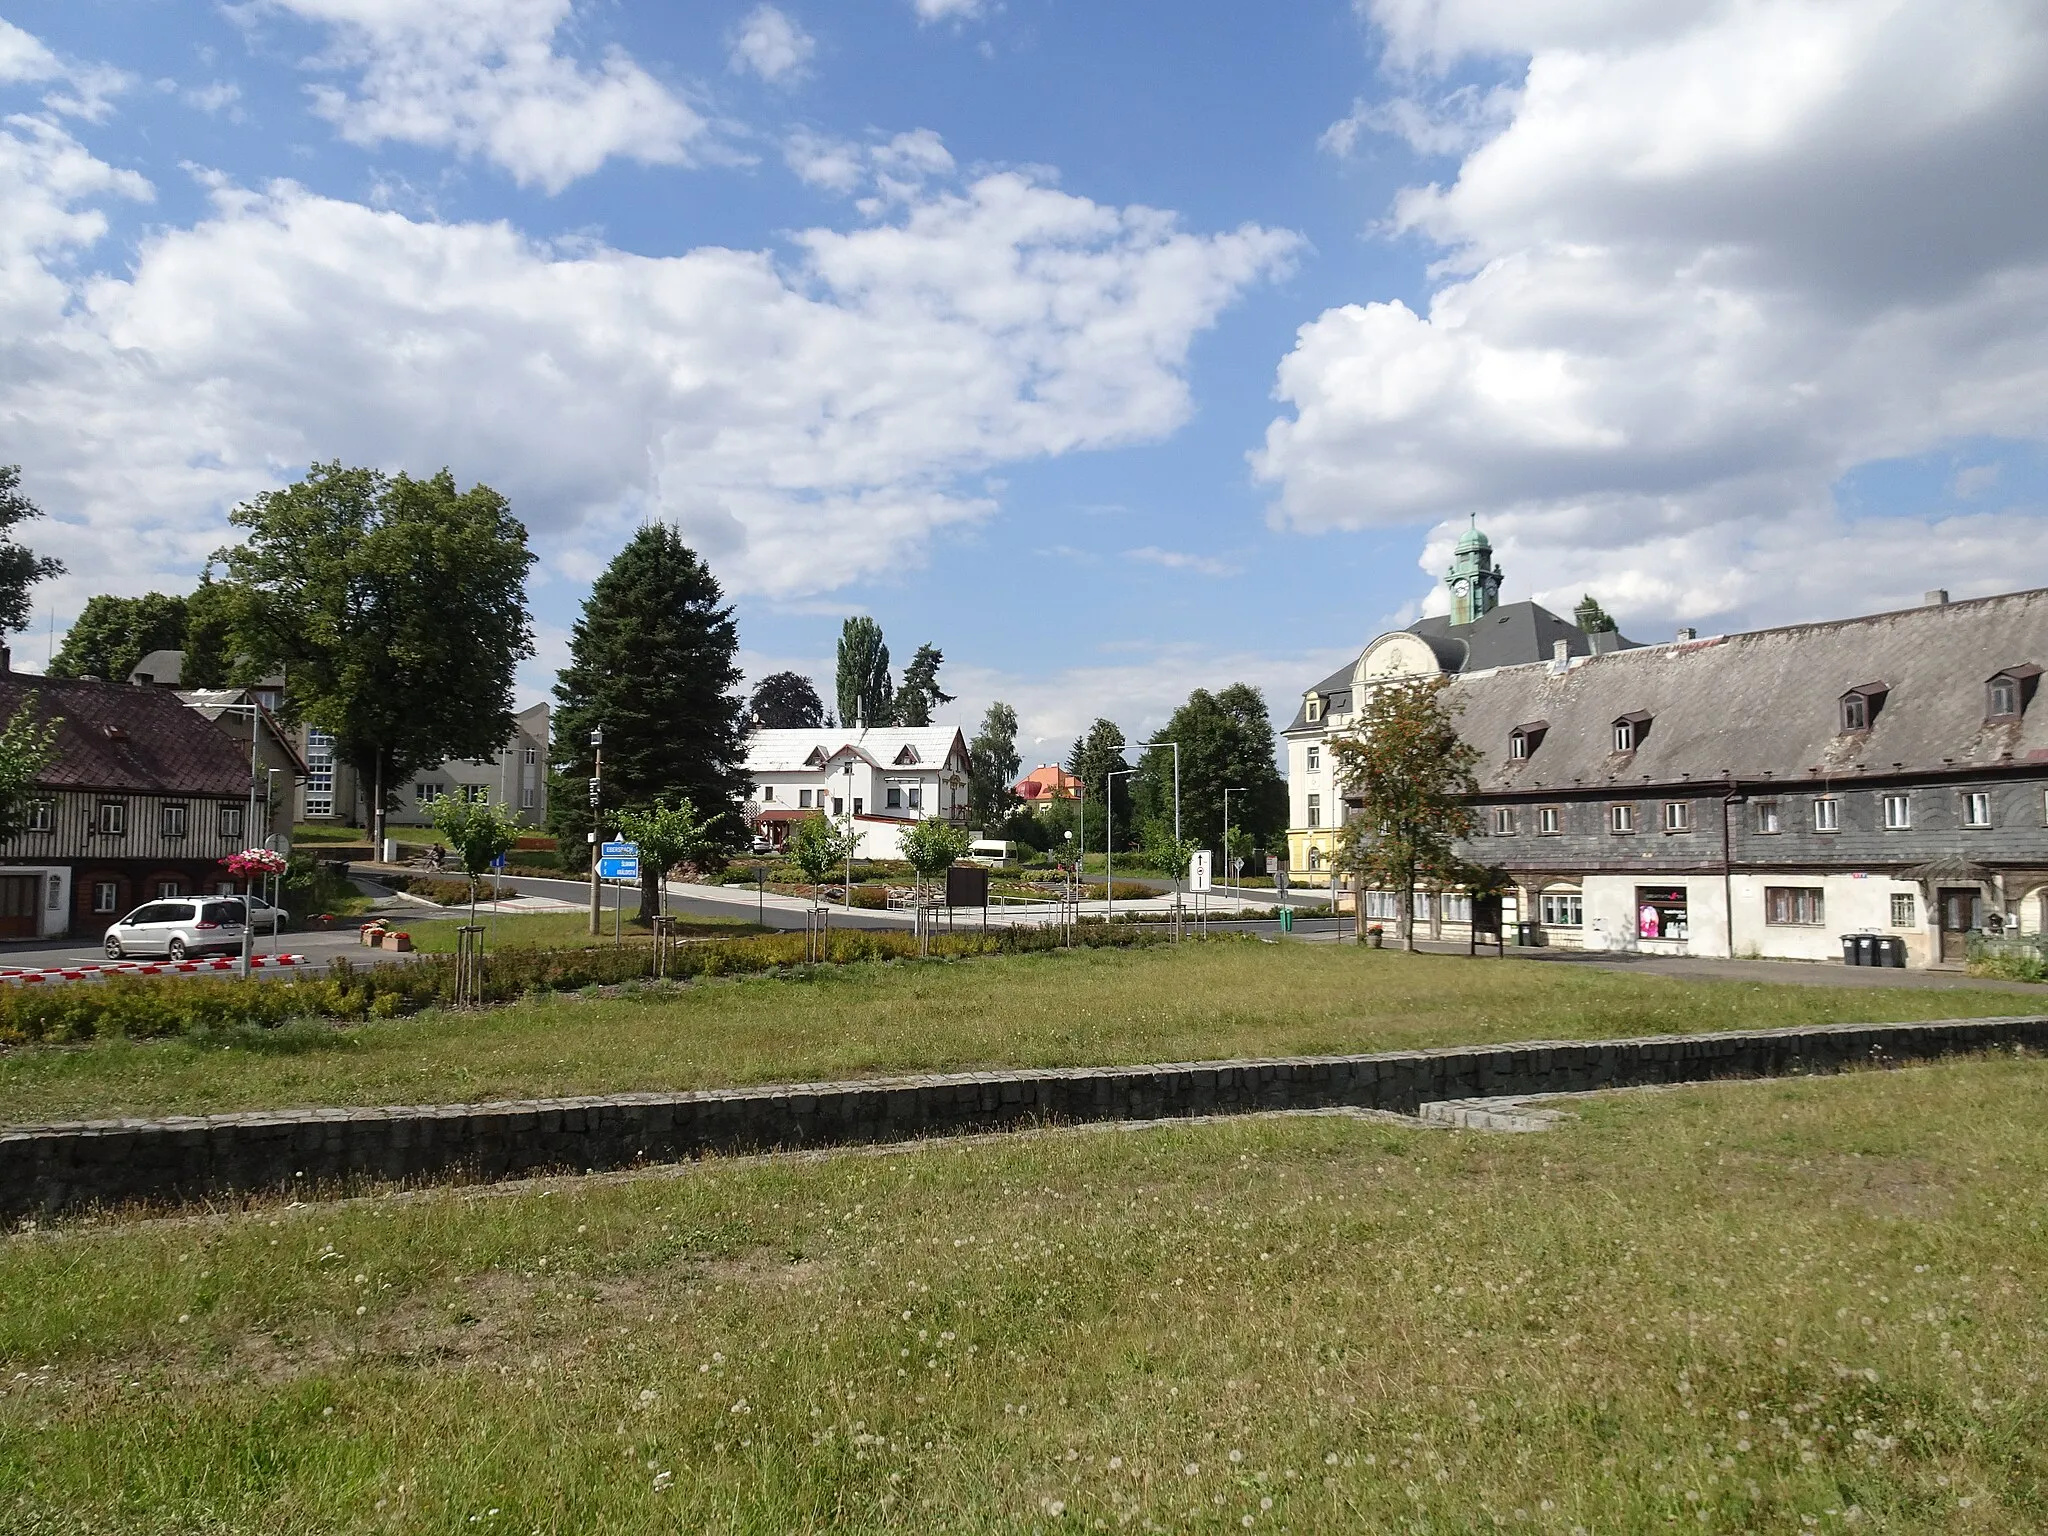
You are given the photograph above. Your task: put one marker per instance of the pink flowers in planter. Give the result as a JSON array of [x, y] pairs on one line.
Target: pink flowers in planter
[[253, 863]]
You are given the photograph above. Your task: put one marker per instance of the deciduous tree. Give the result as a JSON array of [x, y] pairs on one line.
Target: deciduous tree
[[20, 568], [111, 634], [1226, 742], [480, 832], [667, 835], [1098, 753], [786, 701], [1410, 774], [26, 746], [396, 608]]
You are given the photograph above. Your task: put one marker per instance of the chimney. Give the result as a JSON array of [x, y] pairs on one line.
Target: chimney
[[1688, 633], [1935, 599], [1560, 655]]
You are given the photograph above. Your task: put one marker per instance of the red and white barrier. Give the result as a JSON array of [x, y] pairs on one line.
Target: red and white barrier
[[31, 974]]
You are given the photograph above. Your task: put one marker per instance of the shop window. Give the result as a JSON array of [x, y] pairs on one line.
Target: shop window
[[113, 818], [106, 896], [1903, 914], [1767, 817], [1562, 909], [1976, 809], [1621, 818], [1315, 810], [1898, 813], [1793, 906], [1677, 815], [172, 821], [1503, 821], [1550, 821], [1827, 814], [1660, 912], [41, 816]]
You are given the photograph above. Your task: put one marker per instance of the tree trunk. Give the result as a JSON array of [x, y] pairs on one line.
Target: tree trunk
[[1405, 923]]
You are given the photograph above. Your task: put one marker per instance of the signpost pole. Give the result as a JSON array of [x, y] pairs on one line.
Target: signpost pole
[[596, 802]]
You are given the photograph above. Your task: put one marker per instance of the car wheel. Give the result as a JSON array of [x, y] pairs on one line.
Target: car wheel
[[177, 950], [113, 948]]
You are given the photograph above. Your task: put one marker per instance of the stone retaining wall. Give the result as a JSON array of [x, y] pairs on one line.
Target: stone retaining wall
[[116, 1162]]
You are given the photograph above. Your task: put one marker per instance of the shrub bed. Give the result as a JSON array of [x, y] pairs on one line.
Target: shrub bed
[[153, 1007], [434, 888]]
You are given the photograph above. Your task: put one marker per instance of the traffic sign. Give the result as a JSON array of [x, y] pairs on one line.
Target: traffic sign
[[1199, 867], [618, 861]]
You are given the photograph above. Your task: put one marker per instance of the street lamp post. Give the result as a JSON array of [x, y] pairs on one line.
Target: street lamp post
[[1176, 824], [1238, 790], [852, 834], [1109, 837]]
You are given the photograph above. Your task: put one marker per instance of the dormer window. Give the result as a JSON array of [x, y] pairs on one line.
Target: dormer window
[[1523, 740], [1860, 706], [907, 758], [1314, 711], [816, 759], [1630, 731], [2008, 693]]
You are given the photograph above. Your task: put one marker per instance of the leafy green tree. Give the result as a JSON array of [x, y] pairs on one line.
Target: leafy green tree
[[1098, 753], [480, 832], [396, 608], [932, 846], [1592, 618], [920, 697], [667, 835], [20, 568], [211, 620], [1409, 775], [786, 701], [866, 696], [111, 634], [992, 767], [27, 744], [653, 662], [1226, 742]]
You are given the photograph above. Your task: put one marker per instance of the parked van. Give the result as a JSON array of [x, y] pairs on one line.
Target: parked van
[[991, 852]]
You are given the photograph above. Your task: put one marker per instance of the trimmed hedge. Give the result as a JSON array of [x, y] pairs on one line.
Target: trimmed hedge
[[141, 1007]]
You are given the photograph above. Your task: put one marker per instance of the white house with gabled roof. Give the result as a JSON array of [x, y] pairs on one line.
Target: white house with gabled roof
[[880, 779]]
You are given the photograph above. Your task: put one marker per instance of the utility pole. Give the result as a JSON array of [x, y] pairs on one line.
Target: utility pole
[[596, 802]]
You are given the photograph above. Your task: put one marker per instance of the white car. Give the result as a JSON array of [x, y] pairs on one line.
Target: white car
[[267, 913], [191, 925]]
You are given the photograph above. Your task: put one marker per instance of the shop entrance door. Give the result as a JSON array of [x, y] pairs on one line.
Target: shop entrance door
[[1959, 915], [18, 907]]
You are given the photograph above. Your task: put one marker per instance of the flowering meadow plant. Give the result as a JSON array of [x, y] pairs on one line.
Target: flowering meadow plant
[[251, 863]]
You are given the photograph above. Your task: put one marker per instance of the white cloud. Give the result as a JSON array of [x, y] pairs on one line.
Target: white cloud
[[772, 46], [1180, 560], [809, 421], [82, 90], [1716, 255], [484, 78], [895, 170], [219, 96], [947, 10]]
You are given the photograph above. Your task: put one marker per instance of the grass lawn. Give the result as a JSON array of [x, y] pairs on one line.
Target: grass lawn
[[435, 935], [1085, 1007], [1801, 1305]]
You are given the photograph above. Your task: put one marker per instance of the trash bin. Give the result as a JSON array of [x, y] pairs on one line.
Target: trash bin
[[1851, 954], [1287, 919], [1891, 951], [1866, 949], [1528, 935]]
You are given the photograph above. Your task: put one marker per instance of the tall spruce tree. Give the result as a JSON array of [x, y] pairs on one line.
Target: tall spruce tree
[[866, 695], [920, 696], [652, 662]]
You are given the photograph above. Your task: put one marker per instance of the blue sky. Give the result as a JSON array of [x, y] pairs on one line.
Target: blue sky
[[1116, 349]]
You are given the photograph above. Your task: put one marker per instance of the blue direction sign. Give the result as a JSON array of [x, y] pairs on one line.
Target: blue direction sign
[[618, 861]]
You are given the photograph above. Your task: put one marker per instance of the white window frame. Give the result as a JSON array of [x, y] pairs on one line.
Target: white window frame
[[1315, 810], [1550, 821], [1803, 906], [1518, 746], [231, 823], [1827, 813], [172, 820], [1624, 735], [41, 816], [1314, 710], [106, 897], [1503, 821], [112, 820], [1562, 909], [1976, 809], [1769, 821], [1621, 819], [1905, 912], [1898, 813], [913, 797], [1315, 759], [1677, 815]]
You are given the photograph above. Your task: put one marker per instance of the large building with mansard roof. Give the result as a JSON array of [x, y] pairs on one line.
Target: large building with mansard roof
[[1761, 794]]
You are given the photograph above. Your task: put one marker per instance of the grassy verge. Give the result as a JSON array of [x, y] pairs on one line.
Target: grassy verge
[[1807, 1305], [1088, 1007], [561, 930]]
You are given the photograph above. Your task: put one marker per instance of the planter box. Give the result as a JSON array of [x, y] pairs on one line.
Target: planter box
[[402, 942]]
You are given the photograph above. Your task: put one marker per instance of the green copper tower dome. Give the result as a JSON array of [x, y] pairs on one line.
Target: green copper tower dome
[[1473, 578]]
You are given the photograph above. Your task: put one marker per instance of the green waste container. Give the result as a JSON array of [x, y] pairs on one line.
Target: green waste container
[[1287, 919]]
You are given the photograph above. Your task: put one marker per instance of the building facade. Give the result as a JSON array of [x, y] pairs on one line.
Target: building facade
[[1763, 794], [877, 781], [141, 800]]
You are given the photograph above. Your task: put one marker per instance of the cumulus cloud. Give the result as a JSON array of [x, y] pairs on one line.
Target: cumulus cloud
[[78, 90], [484, 78], [1712, 256], [771, 45], [893, 170], [809, 419], [947, 10]]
